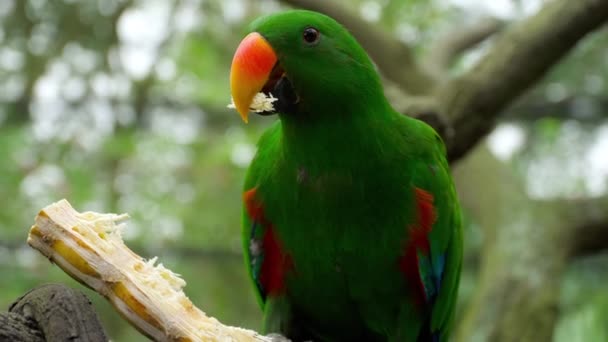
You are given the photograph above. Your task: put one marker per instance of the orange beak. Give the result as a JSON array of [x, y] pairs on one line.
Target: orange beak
[[251, 67]]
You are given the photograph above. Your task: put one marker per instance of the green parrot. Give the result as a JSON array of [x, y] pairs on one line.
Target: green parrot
[[351, 223]]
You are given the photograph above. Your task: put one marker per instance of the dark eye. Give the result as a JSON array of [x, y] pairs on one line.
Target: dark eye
[[311, 35]]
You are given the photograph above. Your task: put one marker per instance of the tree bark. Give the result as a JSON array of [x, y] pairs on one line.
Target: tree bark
[[51, 312], [14, 327], [517, 60], [583, 108], [527, 245], [470, 104], [457, 40]]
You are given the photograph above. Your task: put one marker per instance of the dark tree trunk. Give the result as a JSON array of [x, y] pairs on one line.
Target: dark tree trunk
[[51, 312]]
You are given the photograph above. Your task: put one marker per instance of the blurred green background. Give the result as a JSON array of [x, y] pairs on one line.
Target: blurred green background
[[120, 106]]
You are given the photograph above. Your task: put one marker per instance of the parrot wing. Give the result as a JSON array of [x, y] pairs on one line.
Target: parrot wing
[[266, 260], [432, 256]]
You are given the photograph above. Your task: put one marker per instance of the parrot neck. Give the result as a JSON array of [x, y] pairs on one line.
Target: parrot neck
[[337, 100], [325, 110], [338, 136]]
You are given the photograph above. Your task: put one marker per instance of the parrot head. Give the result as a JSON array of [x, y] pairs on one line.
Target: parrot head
[[307, 61]]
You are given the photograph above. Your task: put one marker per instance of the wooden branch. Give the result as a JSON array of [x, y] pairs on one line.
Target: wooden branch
[[394, 58], [51, 312], [527, 245], [14, 327], [518, 59], [465, 109], [583, 108], [522, 258], [457, 40], [88, 246], [180, 251], [588, 219], [590, 239]]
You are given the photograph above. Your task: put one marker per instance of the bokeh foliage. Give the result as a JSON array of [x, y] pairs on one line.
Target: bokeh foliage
[[119, 106]]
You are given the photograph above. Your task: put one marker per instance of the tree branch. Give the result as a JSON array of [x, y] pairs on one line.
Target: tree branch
[[186, 252], [527, 244], [588, 220], [393, 57], [88, 246], [580, 108], [464, 110], [517, 60], [455, 41], [51, 312], [590, 239], [14, 327]]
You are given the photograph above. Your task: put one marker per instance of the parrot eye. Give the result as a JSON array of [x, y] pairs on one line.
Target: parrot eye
[[311, 35]]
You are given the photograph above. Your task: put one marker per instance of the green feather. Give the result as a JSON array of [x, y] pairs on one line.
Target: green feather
[[336, 180]]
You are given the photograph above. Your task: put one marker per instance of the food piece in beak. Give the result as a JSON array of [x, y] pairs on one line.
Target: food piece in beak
[[261, 103]]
